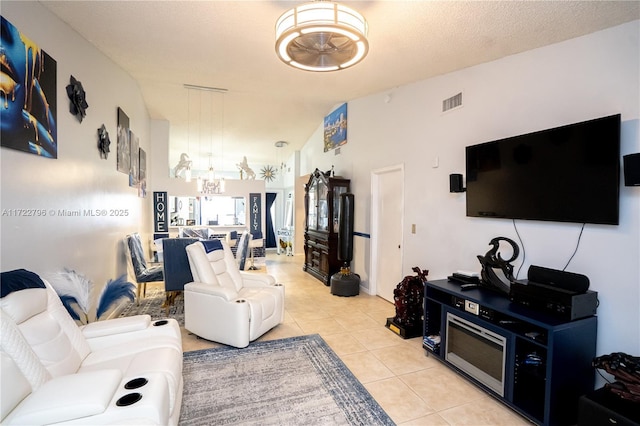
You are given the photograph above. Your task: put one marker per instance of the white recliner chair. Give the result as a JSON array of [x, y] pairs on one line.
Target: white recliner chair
[[227, 305], [120, 371]]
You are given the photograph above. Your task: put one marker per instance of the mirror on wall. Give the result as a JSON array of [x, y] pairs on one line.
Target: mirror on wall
[[213, 210]]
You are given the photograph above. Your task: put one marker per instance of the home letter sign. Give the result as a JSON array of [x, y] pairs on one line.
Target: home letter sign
[[160, 202]]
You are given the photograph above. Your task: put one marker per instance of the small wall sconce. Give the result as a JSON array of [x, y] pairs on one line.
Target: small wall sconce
[[455, 183]]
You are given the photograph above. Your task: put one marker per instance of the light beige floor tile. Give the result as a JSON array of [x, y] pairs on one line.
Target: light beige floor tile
[[430, 420], [307, 314], [366, 367], [344, 344], [282, 331], [322, 326], [442, 388], [403, 359], [416, 342], [288, 317], [191, 342], [485, 411], [376, 338], [357, 321], [398, 400], [380, 316]]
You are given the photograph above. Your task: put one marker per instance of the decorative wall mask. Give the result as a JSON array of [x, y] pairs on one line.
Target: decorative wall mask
[[78, 99], [103, 142]]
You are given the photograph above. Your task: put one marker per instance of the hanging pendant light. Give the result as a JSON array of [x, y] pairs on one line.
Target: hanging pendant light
[[222, 183], [187, 172], [321, 36]]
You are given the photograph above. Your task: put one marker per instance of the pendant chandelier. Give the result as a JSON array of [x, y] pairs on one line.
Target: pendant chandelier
[[208, 183], [321, 36]]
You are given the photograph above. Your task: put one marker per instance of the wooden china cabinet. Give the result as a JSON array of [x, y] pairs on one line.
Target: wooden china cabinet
[[322, 210]]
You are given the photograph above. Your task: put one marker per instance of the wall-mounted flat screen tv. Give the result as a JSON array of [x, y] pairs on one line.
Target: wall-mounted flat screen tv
[[565, 174]]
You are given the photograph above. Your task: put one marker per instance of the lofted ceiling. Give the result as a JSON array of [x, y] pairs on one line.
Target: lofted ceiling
[[230, 44]]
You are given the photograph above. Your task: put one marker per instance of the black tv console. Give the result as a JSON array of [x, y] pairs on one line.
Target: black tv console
[[547, 360]]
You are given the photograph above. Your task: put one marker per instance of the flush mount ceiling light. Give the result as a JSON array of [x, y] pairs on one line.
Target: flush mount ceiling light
[[321, 36]]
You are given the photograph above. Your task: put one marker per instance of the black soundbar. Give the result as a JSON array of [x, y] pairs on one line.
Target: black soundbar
[[576, 283]]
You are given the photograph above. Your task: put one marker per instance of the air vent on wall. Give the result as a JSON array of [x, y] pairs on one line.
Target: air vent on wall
[[453, 102]]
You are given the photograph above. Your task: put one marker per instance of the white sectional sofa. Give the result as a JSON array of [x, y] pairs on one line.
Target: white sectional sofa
[[120, 371]]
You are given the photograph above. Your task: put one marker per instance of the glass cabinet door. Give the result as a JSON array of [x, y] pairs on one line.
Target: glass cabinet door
[[336, 206], [312, 214], [323, 207]]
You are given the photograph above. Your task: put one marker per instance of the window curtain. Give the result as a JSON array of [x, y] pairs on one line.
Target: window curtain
[[270, 234]]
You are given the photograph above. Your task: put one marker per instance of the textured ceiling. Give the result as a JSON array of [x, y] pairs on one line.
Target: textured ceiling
[[230, 44]]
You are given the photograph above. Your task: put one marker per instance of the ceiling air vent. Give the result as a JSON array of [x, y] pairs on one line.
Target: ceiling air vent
[[453, 102]]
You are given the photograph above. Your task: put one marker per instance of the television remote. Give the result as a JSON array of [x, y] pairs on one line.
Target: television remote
[[465, 287]]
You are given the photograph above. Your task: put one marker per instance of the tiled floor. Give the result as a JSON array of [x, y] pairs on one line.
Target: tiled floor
[[413, 388]]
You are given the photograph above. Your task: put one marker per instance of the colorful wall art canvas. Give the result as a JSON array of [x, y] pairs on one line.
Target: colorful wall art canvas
[[28, 95], [124, 148], [335, 128]]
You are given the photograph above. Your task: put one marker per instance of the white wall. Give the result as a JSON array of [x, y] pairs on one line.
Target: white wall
[[580, 79], [78, 179]]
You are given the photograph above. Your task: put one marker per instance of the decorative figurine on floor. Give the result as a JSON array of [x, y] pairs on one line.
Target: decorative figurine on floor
[[626, 370], [497, 273], [408, 298], [78, 99]]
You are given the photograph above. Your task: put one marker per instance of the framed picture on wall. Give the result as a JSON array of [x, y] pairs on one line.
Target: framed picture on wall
[[335, 128], [134, 156], [142, 174], [124, 149], [29, 112]]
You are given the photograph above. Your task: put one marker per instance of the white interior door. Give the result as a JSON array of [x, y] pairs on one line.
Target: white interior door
[[387, 212]]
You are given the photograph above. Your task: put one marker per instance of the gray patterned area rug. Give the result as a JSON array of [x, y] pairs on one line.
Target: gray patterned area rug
[[293, 381], [152, 305]]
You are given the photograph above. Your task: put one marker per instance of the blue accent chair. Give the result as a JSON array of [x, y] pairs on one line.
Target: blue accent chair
[[141, 271], [176, 263]]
